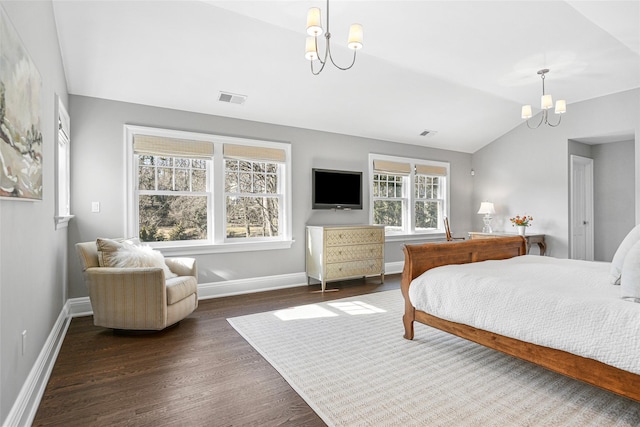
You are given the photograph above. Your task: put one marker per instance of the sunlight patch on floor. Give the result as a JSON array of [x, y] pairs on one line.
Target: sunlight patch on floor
[[311, 311], [355, 308]]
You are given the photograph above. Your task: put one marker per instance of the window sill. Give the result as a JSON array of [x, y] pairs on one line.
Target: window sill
[[410, 237], [225, 248], [62, 221]]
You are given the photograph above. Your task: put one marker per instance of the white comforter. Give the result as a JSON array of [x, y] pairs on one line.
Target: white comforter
[[564, 304]]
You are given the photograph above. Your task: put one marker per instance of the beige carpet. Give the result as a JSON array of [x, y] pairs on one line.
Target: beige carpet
[[348, 360]]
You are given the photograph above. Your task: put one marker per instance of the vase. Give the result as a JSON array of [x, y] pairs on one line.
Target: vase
[[521, 229]]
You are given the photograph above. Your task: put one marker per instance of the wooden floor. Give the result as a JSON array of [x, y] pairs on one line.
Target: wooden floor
[[199, 373]]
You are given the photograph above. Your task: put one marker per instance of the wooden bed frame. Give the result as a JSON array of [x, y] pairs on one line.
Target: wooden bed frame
[[420, 258]]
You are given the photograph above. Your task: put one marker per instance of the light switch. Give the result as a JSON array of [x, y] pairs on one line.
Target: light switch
[[95, 206]]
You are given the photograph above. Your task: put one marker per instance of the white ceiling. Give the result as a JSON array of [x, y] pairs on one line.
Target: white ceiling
[[460, 68]]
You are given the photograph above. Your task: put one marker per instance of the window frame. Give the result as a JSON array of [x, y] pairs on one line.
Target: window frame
[[216, 242], [62, 214], [409, 182]]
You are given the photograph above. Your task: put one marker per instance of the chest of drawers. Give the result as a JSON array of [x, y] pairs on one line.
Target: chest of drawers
[[343, 252]]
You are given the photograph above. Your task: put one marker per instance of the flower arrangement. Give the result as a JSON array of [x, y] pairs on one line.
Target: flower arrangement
[[522, 221]]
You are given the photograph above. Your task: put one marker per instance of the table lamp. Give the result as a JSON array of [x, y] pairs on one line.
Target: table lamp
[[487, 209]]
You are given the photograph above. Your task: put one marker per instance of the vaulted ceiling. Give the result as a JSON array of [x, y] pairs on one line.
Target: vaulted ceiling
[[459, 68]]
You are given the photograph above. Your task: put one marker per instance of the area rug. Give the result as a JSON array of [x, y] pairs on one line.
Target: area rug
[[349, 362]]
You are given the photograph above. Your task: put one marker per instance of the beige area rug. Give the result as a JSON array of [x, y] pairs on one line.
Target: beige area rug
[[348, 360]]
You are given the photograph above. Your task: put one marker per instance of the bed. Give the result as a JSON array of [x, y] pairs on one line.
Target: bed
[[446, 298]]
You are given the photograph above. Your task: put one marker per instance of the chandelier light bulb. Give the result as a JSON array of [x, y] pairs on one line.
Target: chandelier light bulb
[[561, 106], [355, 37], [546, 102], [526, 112], [314, 25], [311, 51]]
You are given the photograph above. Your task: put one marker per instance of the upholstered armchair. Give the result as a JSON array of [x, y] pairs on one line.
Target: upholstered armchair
[[138, 298]]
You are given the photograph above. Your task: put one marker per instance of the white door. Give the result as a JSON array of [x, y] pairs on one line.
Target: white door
[[581, 208]]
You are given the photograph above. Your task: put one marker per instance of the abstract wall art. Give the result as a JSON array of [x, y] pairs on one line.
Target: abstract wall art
[[20, 129]]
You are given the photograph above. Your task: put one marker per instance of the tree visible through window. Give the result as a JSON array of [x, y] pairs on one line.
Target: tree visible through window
[[252, 199], [187, 189], [388, 200], [172, 198], [408, 195]]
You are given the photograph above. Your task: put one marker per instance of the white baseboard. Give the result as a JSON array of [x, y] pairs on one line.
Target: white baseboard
[[251, 285], [26, 405]]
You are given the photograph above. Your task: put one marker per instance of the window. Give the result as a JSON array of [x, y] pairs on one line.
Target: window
[[62, 179], [409, 196], [253, 194], [197, 190]]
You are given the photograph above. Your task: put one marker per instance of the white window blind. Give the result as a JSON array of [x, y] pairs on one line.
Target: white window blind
[[249, 152], [386, 166], [171, 147], [431, 170]]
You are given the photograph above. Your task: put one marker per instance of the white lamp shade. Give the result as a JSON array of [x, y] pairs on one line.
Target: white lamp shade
[[486, 208], [311, 52], [355, 37], [561, 106], [314, 25], [526, 112], [546, 102]]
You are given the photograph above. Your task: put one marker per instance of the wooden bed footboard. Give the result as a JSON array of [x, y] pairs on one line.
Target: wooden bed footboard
[[420, 258]]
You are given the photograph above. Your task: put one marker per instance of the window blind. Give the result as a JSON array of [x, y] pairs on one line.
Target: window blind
[[431, 170], [387, 166], [250, 152], [172, 147]]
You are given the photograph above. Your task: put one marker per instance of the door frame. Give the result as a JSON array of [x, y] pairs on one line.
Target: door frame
[[587, 163]]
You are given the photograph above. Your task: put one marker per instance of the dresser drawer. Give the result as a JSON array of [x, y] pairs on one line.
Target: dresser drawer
[[354, 236], [354, 252], [354, 268]]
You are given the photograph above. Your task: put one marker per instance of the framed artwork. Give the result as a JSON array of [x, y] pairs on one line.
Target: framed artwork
[[20, 128]]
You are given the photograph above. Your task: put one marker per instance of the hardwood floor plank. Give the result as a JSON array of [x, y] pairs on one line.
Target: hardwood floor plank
[[199, 373]]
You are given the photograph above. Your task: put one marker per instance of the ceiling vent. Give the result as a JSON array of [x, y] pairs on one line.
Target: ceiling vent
[[428, 132], [232, 98]]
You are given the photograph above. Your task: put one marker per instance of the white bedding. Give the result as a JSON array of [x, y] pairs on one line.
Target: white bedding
[[564, 304]]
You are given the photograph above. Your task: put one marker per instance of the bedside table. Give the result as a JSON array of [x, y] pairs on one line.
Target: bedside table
[[530, 238]]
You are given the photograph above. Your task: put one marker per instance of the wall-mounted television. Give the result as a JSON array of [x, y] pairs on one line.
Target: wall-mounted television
[[336, 189]]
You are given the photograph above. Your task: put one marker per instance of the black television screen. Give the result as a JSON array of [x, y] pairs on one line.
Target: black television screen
[[334, 189]]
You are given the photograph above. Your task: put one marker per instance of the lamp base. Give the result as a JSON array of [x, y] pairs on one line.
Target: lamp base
[[487, 224]]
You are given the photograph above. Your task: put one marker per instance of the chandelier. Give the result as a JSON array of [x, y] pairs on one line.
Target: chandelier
[[314, 29], [546, 103]]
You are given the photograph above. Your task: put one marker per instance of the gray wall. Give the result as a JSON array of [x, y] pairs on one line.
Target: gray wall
[[526, 171], [614, 196], [97, 158], [33, 255]]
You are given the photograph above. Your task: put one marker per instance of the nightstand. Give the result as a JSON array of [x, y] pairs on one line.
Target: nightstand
[[530, 238]]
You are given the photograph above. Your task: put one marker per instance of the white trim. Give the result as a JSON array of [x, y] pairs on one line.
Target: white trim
[[26, 404], [250, 285], [217, 201], [263, 245]]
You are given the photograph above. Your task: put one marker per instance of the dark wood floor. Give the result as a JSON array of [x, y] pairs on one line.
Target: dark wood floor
[[199, 373]]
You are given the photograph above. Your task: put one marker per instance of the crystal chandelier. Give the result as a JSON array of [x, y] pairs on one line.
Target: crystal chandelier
[[546, 103], [314, 29]]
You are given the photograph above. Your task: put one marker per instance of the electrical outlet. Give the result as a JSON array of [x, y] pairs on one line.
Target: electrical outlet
[[95, 207], [24, 342]]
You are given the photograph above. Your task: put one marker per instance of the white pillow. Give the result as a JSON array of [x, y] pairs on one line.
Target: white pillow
[[630, 280], [131, 256], [618, 259]]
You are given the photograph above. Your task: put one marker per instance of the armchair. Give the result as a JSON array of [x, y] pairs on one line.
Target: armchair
[[138, 298]]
